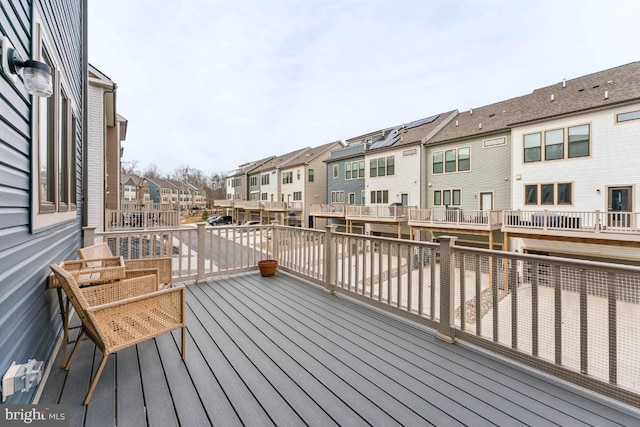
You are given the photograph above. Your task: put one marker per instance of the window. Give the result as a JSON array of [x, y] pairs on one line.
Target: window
[[264, 196], [531, 194], [361, 169], [446, 197], [352, 198], [579, 141], [362, 196], [625, 117], [450, 161], [253, 181], [337, 197], [437, 198], [437, 162], [409, 152], [379, 196], [310, 175], [532, 144], [298, 175], [382, 166], [54, 142], [546, 194], [554, 144], [264, 179], [564, 194], [287, 177], [347, 171], [335, 171], [297, 195], [464, 163], [495, 142], [456, 197], [391, 166]]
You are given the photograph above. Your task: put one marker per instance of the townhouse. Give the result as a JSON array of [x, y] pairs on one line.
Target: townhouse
[[574, 168]]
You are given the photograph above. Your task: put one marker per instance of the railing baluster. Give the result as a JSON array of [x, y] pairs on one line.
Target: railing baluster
[[557, 285], [463, 285], [612, 297], [534, 311], [493, 262], [478, 295], [513, 289], [584, 324]]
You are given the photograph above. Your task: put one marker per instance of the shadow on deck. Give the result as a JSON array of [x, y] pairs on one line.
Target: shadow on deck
[[281, 351]]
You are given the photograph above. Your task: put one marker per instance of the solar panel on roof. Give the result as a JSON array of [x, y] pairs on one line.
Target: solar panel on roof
[[391, 138], [421, 122]]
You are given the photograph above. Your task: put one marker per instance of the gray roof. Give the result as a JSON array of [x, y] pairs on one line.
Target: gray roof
[[620, 85], [279, 161], [308, 155]]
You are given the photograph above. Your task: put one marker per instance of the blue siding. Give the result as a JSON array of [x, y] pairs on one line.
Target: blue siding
[[29, 318], [342, 184]]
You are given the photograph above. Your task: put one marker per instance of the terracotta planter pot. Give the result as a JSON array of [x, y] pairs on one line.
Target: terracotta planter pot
[[267, 267]]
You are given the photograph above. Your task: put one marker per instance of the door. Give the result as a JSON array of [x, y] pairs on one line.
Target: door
[[486, 201], [404, 199], [619, 207]]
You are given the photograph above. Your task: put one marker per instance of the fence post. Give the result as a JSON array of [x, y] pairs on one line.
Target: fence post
[[275, 239], [89, 236], [329, 255], [201, 237], [446, 331]]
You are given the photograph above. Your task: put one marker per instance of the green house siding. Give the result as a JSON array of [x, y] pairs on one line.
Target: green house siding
[[490, 171]]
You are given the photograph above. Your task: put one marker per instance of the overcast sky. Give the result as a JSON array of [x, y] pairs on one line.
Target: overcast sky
[[214, 84]]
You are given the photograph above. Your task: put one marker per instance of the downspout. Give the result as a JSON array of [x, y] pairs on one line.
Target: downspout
[[105, 184], [85, 114]]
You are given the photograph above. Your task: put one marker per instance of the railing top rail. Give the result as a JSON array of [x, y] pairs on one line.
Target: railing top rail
[[547, 259], [386, 239]]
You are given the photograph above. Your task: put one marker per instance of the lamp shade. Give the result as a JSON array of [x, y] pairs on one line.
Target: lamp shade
[[37, 81]]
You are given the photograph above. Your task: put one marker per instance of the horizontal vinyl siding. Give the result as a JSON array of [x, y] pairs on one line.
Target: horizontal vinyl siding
[[489, 168], [612, 161], [29, 317], [95, 156]]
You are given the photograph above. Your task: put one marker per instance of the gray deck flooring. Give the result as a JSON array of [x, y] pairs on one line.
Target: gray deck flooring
[[281, 351]]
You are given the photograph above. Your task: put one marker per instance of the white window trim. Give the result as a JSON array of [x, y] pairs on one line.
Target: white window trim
[[46, 219]]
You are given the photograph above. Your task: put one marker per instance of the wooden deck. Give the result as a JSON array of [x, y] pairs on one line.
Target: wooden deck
[[281, 351]]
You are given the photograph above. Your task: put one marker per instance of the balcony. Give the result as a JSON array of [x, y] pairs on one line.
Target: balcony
[[223, 203], [613, 226], [378, 213], [283, 206], [248, 204], [455, 219], [336, 210], [313, 344], [141, 219]]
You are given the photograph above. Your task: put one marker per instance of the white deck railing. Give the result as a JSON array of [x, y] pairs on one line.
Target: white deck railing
[[574, 319], [331, 209], [134, 219], [588, 222], [456, 218], [379, 212]]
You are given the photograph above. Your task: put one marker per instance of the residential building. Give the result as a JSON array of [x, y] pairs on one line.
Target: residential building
[[44, 141], [575, 186], [107, 130], [303, 182]]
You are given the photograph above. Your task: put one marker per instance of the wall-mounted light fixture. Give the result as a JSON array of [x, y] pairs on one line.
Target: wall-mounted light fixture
[[36, 75]]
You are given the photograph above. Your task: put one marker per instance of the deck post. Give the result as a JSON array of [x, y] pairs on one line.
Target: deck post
[[329, 256], [89, 236], [446, 331], [201, 237]]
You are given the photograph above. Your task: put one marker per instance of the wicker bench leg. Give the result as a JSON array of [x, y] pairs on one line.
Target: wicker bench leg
[[96, 378]]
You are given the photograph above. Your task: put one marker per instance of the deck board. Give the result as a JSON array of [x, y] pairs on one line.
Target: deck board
[[281, 351]]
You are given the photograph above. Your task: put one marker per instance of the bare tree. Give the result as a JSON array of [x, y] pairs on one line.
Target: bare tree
[[152, 171], [129, 167]]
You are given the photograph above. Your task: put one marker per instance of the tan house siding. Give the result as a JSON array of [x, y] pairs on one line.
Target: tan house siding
[[95, 156]]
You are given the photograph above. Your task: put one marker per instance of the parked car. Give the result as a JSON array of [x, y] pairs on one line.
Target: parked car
[[194, 210], [247, 226], [220, 220]]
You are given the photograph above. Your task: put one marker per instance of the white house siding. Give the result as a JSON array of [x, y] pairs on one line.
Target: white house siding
[[490, 172], [613, 161], [95, 159], [296, 185], [316, 191], [406, 177], [272, 188]]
